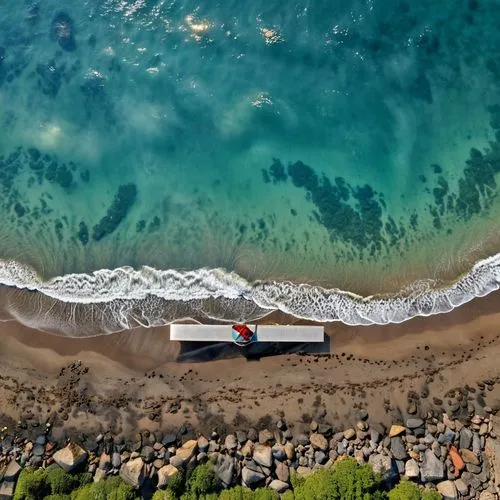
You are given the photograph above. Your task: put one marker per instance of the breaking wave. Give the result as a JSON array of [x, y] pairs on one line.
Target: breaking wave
[[111, 300]]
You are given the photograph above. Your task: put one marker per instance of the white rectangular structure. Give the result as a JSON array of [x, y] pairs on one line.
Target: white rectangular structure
[[264, 333]]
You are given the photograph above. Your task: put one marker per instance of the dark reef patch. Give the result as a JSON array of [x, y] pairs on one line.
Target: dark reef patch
[[358, 222], [122, 203], [277, 171], [83, 233], [356, 215], [62, 30], [140, 226]]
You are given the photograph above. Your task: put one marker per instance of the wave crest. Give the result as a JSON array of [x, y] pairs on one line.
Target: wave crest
[[111, 300]]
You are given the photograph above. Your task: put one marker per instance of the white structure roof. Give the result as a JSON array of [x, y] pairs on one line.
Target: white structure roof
[[264, 333]]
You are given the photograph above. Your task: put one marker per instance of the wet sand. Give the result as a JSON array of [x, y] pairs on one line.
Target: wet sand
[[131, 380]]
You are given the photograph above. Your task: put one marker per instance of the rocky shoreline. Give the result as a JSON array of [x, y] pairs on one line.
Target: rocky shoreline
[[457, 455]]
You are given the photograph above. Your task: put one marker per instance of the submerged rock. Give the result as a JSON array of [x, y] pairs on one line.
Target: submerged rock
[[62, 30]]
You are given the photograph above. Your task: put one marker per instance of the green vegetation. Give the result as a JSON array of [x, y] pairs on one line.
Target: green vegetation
[[240, 493], [55, 484], [346, 480]]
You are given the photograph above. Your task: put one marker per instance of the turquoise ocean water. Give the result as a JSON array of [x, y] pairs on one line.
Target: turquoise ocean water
[[162, 160]]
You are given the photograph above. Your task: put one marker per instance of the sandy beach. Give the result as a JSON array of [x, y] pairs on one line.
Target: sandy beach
[[131, 380]]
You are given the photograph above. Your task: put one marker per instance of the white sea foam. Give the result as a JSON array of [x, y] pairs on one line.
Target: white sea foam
[[126, 289]]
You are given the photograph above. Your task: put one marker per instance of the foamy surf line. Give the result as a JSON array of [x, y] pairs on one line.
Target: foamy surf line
[[314, 303]]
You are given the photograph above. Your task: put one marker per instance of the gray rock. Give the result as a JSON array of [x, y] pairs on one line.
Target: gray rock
[[278, 451], [165, 474], [475, 469], [374, 436], [224, 469], [476, 443], [447, 490], [448, 436], [176, 461], [38, 450], [265, 436], [147, 454], [302, 439], [282, 472], [325, 429], [231, 443], [7, 489], [319, 442], [252, 434], [116, 460], [412, 470], [414, 423], [384, 465], [132, 472], [471, 480], [461, 487], [70, 457], [202, 444], [428, 439], [465, 438], [281, 424], [41, 440], [349, 433], [252, 478], [277, 485], [263, 455], [398, 448], [469, 457], [362, 415], [304, 471], [241, 436], [320, 457], [105, 462], [432, 468], [13, 469], [169, 440], [400, 466]]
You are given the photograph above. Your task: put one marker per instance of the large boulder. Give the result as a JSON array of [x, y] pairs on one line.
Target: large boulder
[[252, 478], [431, 468], [282, 472], [263, 455], [412, 469], [278, 485], [186, 451], [469, 457], [224, 469], [165, 474], [398, 448], [384, 465], [7, 489], [265, 436], [414, 423], [319, 442], [132, 472], [465, 438], [231, 443], [12, 470], [448, 490], [70, 457]]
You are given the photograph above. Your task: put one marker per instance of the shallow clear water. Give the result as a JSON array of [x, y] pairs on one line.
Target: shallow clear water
[[352, 146]]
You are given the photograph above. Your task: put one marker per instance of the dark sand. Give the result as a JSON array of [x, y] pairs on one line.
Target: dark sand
[[134, 381]]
